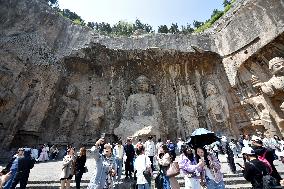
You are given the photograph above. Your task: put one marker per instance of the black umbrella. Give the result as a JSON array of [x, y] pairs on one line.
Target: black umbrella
[[201, 137]]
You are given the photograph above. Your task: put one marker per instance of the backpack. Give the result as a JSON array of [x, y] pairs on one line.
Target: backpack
[[268, 181], [264, 160]]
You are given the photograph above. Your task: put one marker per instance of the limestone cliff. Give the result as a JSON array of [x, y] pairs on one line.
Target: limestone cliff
[[51, 71]]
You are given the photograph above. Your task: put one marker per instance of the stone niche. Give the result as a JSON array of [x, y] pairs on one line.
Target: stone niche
[[120, 93], [261, 91]]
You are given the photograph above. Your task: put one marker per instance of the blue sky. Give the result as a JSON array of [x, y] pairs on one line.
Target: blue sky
[[153, 12]]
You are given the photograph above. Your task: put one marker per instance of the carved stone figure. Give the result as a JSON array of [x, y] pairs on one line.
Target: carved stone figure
[[69, 115], [276, 83], [7, 98], [94, 117], [142, 115], [189, 116], [201, 116], [274, 88], [217, 107], [266, 119]]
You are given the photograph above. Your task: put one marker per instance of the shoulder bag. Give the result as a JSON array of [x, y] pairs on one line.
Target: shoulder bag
[[173, 169]]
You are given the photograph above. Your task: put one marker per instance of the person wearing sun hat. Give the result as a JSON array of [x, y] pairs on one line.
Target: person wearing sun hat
[[253, 169], [268, 154]]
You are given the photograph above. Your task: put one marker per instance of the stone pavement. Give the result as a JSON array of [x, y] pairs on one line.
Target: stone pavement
[[46, 175]]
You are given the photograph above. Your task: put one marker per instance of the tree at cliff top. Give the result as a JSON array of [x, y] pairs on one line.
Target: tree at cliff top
[[163, 29], [214, 16]]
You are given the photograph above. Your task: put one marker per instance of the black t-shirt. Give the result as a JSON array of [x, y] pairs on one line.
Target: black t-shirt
[[80, 163]]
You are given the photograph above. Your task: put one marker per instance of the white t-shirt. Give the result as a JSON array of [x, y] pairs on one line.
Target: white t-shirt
[[140, 164], [246, 143], [150, 148], [179, 144]]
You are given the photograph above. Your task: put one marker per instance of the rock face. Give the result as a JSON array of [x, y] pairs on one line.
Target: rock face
[[62, 83]]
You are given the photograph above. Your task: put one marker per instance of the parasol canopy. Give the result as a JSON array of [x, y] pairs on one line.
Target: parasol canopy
[[201, 137]]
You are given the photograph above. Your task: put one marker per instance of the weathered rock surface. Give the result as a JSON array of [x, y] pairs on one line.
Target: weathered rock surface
[[43, 55]]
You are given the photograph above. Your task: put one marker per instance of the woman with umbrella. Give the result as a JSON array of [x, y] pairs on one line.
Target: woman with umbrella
[[189, 168], [211, 175]]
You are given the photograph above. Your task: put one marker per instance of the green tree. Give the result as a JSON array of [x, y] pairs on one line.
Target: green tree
[[226, 3], [163, 29], [103, 28], [91, 25], [53, 2], [197, 24], [73, 16], [123, 28], [138, 25], [187, 29], [174, 28]]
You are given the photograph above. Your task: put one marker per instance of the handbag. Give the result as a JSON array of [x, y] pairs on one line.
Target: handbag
[[159, 180], [147, 173], [173, 169]]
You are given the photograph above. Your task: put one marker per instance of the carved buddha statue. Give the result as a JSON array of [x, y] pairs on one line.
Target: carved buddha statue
[[142, 115]]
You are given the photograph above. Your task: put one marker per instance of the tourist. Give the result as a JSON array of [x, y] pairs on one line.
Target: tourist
[[80, 168], [164, 160], [105, 167], [230, 156], [179, 144], [103, 142], [12, 168], [118, 153], [240, 142], [215, 147], [47, 148], [268, 154], [254, 169], [211, 175], [158, 145], [142, 163], [172, 149], [139, 143], [25, 164], [34, 153], [68, 168], [234, 148], [246, 141], [150, 150], [190, 169], [43, 154], [53, 152], [130, 153]]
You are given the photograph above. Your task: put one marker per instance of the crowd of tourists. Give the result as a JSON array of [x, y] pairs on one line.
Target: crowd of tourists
[[199, 166]]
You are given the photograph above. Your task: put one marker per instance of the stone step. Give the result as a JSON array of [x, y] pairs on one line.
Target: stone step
[[232, 181]]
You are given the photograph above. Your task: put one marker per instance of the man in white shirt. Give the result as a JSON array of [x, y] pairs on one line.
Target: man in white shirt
[[118, 153], [246, 141], [179, 144], [150, 150]]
